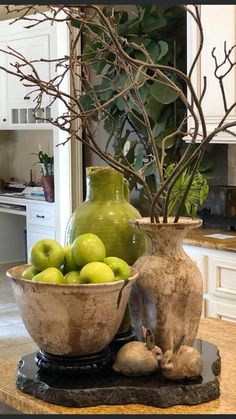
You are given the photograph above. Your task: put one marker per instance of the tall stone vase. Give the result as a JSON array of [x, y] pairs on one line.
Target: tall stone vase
[[167, 297]]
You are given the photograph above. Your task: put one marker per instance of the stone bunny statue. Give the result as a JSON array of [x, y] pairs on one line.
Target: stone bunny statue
[[182, 362], [138, 358]]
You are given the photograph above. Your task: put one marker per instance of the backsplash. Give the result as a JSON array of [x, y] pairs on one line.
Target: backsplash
[[16, 147], [232, 164]]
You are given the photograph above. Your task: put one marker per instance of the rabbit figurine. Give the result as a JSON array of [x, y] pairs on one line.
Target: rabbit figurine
[[138, 358], [183, 362]]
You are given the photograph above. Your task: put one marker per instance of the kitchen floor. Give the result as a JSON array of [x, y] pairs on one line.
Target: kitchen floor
[[14, 338]]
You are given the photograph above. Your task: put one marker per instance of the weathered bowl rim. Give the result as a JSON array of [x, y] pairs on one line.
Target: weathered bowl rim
[[85, 287]]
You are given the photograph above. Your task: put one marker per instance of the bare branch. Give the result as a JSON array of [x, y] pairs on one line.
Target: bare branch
[[91, 103]]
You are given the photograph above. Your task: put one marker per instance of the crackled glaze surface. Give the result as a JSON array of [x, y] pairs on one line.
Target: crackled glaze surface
[[167, 296]]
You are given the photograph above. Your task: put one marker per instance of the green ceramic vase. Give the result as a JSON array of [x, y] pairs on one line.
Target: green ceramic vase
[[106, 212]]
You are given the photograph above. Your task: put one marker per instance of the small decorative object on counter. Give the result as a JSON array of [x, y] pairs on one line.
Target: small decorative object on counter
[[31, 182], [184, 362], [2, 184], [138, 358], [48, 187]]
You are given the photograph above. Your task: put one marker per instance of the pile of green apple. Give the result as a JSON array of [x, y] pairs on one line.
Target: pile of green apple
[[82, 262]]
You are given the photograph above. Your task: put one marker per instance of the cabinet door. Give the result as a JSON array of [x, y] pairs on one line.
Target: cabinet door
[[3, 88], [20, 103], [218, 23], [35, 233], [222, 276], [221, 310], [41, 215]]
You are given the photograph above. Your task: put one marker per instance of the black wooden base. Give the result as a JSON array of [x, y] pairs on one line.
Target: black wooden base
[[73, 365], [107, 387]]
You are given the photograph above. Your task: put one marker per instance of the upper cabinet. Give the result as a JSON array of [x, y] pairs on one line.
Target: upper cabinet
[[44, 41], [218, 23], [3, 95], [16, 106]]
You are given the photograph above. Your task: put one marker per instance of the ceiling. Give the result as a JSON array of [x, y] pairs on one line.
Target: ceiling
[[4, 15]]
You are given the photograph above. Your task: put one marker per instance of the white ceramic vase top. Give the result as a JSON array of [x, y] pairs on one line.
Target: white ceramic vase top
[[70, 320], [167, 296]]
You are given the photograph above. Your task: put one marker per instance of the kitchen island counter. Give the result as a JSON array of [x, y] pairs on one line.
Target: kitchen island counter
[[200, 237], [220, 333]]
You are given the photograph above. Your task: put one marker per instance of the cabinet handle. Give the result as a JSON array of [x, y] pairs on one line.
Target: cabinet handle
[[26, 98], [40, 216], [4, 119]]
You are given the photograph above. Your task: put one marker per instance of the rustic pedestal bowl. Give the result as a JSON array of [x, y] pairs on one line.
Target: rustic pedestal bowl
[[71, 320]]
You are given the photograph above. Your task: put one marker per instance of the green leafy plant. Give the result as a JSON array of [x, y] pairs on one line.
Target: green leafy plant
[[196, 196], [163, 34], [46, 162], [154, 28]]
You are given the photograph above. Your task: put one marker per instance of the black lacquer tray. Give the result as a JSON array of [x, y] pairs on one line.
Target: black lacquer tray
[[105, 387]]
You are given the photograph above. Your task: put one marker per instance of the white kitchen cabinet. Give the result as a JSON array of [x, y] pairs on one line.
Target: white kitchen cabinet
[[218, 268], [21, 105], [222, 274], [218, 23], [52, 41], [42, 41], [41, 215], [3, 95], [16, 105], [220, 309]]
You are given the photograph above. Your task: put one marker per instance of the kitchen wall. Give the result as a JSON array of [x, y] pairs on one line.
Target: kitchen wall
[[217, 156], [16, 147], [232, 164]]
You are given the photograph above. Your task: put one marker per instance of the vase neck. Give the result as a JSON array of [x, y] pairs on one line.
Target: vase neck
[[165, 239], [104, 184]]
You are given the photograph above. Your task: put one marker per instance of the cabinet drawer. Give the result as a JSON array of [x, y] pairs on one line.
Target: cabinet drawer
[[221, 310], [42, 215], [222, 277]]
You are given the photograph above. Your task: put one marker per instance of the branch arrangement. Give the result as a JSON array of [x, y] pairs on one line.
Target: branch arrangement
[[89, 102]]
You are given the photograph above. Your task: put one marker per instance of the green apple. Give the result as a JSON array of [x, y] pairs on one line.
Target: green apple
[[46, 253], [88, 248], [29, 272], [69, 264], [50, 276], [120, 268], [96, 272], [73, 277]]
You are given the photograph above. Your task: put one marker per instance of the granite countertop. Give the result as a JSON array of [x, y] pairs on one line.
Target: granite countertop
[[197, 237], [219, 332]]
